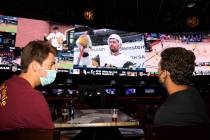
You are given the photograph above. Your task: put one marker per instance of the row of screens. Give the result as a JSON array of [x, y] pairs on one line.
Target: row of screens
[[130, 91], [109, 91], [142, 49]]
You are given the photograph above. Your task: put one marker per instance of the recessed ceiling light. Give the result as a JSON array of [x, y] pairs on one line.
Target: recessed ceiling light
[[89, 14], [191, 4]]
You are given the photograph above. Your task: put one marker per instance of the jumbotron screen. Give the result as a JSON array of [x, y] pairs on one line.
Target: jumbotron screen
[[85, 50]]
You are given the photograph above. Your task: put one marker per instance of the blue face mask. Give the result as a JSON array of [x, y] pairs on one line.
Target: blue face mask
[[51, 75]]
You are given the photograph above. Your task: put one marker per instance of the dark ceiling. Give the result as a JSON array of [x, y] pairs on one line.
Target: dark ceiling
[[135, 15]]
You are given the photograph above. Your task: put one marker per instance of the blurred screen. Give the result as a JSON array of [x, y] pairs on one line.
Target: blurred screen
[[149, 90], [110, 91], [130, 91]]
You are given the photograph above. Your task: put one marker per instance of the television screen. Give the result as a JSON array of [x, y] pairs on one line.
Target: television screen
[[8, 24], [9, 55], [149, 91], [110, 91], [64, 61], [57, 92], [15, 33], [72, 92], [130, 91], [198, 42], [98, 51], [10, 59], [7, 40], [108, 52]]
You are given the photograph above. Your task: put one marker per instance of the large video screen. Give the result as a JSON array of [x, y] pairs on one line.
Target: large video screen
[[88, 50], [108, 52], [198, 42], [16, 32], [8, 54]]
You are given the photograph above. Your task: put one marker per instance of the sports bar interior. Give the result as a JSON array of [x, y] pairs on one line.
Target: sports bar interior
[[146, 27]]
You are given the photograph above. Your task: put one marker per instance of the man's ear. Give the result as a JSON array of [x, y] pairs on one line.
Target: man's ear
[[164, 73], [35, 66], [120, 45], [168, 73]]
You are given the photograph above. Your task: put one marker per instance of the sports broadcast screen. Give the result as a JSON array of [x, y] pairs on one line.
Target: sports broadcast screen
[[85, 50], [108, 52], [17, 32], [198, 42], [8, 54]]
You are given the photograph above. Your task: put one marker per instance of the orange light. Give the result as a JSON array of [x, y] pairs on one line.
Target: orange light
[[192, 21], [89, 15]]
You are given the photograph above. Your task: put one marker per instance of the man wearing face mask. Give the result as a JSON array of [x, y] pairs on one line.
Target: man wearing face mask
[[184, 105], [22, 106]]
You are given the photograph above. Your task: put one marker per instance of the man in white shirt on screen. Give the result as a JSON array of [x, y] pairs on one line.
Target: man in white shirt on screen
[[115, 58], [57, 38]]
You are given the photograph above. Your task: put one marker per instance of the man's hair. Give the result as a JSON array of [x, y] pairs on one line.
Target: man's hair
[[115, 36], [83, 40], [55, 28], [35, 50], [180, 63]]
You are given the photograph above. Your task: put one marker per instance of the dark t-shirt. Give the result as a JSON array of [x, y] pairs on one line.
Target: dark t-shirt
[[182, 108], [21, 106]]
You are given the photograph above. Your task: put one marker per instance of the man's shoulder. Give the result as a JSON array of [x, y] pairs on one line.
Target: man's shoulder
[[17, 85], [60, 34], [13, 79], [17, 81], [191, 91], [51, 34]]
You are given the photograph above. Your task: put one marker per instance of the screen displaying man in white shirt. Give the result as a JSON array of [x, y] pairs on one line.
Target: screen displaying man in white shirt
[[115, 58], [57, 38]]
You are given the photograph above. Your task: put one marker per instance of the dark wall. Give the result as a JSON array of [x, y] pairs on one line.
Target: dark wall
[[65, 80]]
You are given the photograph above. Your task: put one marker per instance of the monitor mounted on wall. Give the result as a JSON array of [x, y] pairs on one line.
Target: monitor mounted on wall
[[130, 91], [110, 91]]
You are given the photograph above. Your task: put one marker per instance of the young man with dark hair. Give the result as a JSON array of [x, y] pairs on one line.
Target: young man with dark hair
[[21, 106], [184, 106]]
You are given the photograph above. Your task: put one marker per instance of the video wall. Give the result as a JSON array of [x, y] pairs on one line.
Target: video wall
[[87, 50]]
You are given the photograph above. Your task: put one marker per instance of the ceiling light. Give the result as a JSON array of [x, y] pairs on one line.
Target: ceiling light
[[89, 14], [191, 4], [192, 21]]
